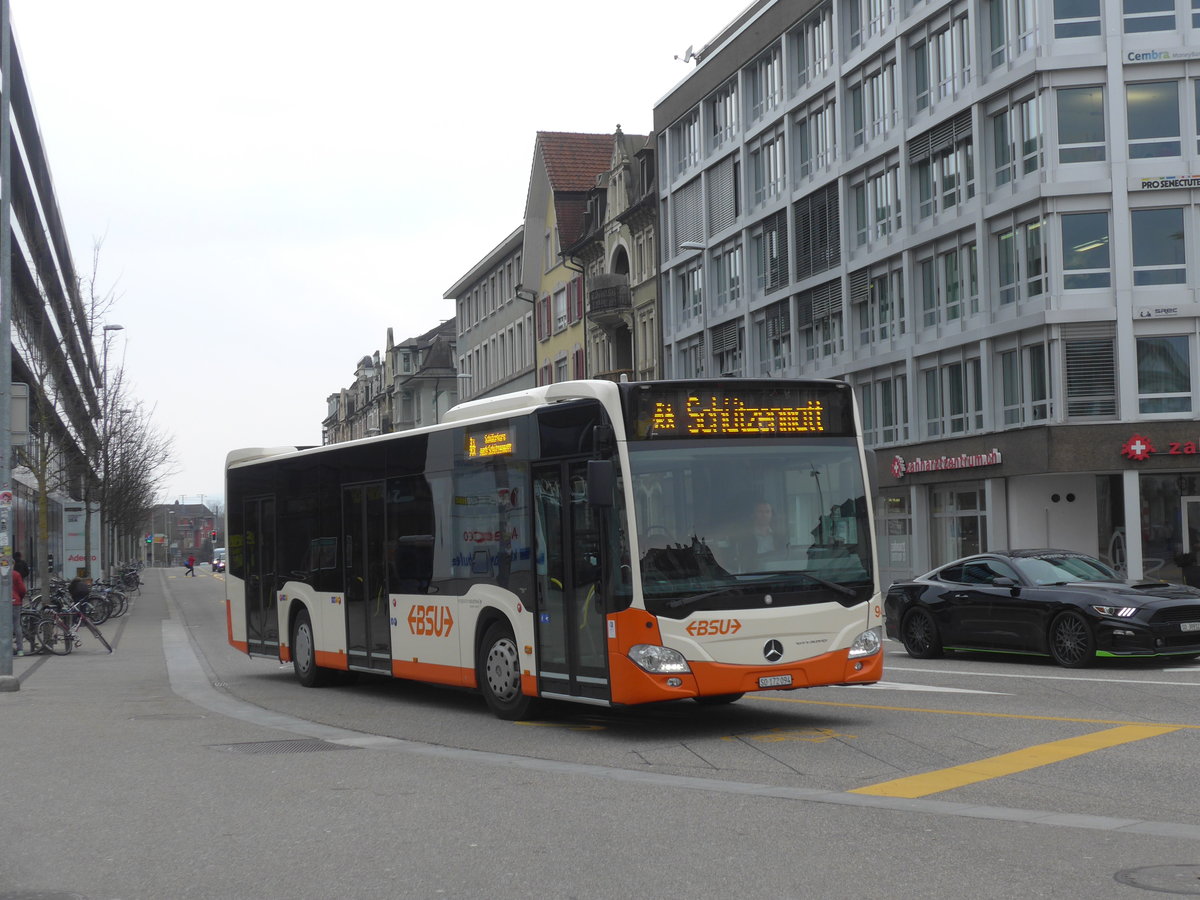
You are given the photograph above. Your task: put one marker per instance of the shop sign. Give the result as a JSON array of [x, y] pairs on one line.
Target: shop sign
[[1149, 56], [1158, 312], [902, 466], [1139, 448], [1163, 182]]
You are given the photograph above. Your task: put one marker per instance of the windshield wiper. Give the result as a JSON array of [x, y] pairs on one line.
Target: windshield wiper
[[832, 585], [679, 602]]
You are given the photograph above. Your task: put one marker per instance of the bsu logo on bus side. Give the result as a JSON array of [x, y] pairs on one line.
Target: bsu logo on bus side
[[430, 621]]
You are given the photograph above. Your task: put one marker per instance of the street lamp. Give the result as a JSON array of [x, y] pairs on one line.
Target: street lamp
[[106, 540]]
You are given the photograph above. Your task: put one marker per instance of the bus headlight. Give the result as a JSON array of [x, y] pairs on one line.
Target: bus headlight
[[658, 660], [867, 644]]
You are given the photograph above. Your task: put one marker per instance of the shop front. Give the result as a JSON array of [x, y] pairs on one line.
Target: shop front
[[1068, 486]]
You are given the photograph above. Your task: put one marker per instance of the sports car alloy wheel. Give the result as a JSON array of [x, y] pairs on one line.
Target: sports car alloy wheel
[[1072, 643], [920, 635]]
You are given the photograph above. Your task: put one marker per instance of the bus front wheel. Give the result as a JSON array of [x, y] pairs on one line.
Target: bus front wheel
[[499, 673], [304, 654]]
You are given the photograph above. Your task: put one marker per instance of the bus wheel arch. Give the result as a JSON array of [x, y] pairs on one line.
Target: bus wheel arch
[[498, 669]]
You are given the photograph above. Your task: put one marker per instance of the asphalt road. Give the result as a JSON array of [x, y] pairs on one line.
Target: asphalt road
[[177, 767]]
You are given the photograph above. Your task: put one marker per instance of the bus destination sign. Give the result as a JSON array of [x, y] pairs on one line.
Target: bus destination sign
[[483, 444], [701, 410]]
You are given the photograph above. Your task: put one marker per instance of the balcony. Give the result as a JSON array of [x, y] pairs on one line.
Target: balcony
[[609, 299]]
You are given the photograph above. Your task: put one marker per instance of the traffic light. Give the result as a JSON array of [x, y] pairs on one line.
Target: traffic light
[[149, 538], [213, 535]]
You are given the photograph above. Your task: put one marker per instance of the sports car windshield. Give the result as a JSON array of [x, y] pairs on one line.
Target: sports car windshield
[[1064, 569], [721, 525]]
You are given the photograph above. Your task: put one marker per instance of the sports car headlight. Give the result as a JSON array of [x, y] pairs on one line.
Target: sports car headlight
[[1117, 612], [658, 660], [867, 643]]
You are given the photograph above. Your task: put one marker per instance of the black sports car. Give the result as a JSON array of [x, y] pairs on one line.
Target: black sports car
[[1055, 603]]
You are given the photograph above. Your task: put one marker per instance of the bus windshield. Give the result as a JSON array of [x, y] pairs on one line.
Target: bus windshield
[[739, 524]]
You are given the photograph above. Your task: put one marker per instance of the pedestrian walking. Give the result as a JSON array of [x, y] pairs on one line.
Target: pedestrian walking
[[191, 566], [18, 598]]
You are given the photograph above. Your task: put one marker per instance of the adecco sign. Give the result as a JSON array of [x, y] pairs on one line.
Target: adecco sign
[[902, 466]]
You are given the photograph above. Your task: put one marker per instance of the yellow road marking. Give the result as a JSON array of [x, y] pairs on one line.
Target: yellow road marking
[[1010, 763]]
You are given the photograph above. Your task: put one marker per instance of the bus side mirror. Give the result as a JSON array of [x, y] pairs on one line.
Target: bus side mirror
[[601, 482]]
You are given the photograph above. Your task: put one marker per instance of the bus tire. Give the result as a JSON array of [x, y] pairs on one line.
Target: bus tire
[[304, 654], [498, 671]]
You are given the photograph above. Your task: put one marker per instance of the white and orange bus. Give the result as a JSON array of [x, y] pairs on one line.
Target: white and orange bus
[[588, 541]]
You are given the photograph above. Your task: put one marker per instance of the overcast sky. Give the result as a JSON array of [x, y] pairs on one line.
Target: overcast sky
[[278, 182]]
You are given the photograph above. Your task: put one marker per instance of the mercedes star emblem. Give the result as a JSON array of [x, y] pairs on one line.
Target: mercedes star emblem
[[773, 651]]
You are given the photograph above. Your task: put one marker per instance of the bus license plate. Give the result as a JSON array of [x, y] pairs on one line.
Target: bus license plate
[[774, 681], [1189, 626]]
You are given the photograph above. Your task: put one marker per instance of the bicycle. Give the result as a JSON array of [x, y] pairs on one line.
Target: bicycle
[[58, 628]]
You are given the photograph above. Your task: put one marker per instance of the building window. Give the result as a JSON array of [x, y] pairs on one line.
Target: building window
[[769, 241], [1141, 16], [722, 115], [817, 220], [1085, 250], [953, 398], [1159, 256], [949, 285], [1196, 91], [1152, 113], [820, 318], [560, 309], [946, 178], [775, 338], [1017, 139], [727, 273], [879, 305], [1076, 18], [687, 142], [1091, 384], [727, 348], [765, 84], [691, 359], [1020, 258], [867, 18], [1007, 18], [880, 97], [1025, 385], [1080, 124], [941, 62], [1164, 375], [816, 139], [691, 292], [768, 168], [885, 410], [812, 43]]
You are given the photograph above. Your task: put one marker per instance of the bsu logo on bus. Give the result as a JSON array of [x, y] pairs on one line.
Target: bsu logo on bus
[[430, 621]]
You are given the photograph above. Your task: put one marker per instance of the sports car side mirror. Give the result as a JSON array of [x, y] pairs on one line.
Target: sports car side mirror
[[1004, 582]]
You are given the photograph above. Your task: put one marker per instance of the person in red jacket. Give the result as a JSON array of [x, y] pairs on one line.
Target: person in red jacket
[[18, 597], [191, 566]]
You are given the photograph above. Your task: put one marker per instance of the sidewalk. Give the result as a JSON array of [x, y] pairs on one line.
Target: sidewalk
[[117, 776]]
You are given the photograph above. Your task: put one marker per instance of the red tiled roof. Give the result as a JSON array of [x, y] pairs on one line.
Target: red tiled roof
[[574, 160]]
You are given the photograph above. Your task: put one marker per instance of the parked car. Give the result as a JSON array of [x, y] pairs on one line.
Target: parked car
[[218, 560], [1055, 603]]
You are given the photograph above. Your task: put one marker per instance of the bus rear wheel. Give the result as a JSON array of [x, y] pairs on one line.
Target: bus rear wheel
[[304, 654], [498, 671]]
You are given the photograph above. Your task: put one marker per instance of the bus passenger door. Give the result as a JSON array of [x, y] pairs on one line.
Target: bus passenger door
[[262, 612], [368, 635], [572, 646]]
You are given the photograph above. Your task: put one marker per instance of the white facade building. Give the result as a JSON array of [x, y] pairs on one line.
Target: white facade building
[[981, 213]]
